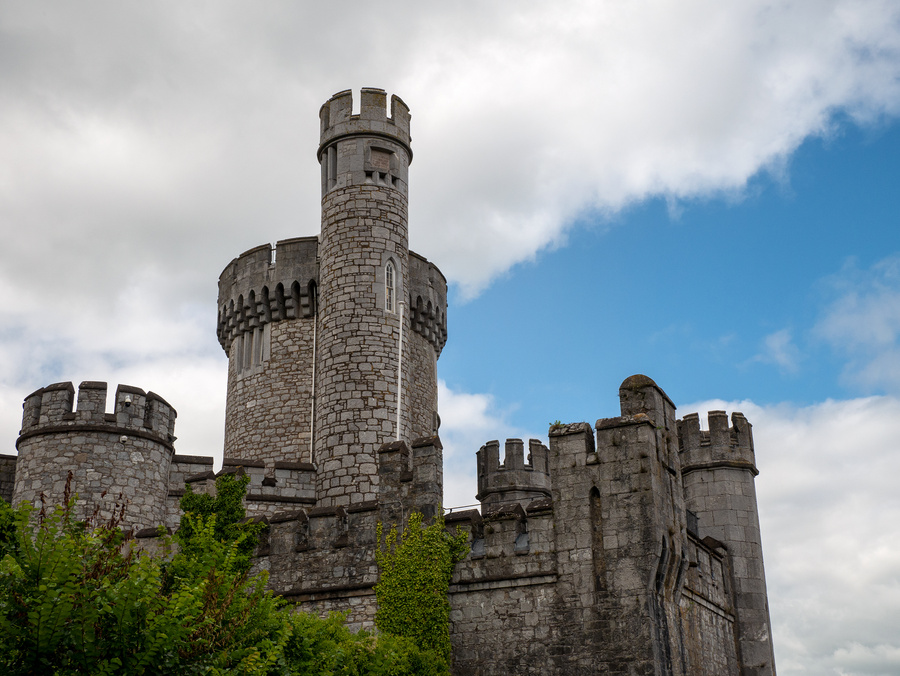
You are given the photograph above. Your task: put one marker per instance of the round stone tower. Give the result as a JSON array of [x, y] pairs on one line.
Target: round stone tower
[[267, 308], [115, 458], [320, 331], [364, 346]]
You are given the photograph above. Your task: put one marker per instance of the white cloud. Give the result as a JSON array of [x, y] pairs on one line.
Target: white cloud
[[143, 146], [829, 510], [863, 323], [468, 421], [779, 349]]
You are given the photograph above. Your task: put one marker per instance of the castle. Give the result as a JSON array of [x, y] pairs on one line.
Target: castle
[[631, 546]]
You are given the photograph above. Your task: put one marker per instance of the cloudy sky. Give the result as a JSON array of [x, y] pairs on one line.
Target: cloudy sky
[[705, 192]]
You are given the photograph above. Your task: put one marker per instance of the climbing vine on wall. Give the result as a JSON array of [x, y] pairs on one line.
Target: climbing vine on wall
[[227, 506], [416, 568]]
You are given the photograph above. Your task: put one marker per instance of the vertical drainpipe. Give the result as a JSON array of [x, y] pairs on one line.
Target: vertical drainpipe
[[400, 313], [312, 398]]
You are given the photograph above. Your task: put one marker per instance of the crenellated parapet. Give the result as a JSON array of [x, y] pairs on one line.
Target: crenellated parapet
[[720, 446], [110, 459], [427, 301], [265, 285], [515, 480], [53, 409], [380, 164]]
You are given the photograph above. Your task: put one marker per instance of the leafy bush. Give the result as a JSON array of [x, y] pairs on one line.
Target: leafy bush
[[227, 506], [78, 598]]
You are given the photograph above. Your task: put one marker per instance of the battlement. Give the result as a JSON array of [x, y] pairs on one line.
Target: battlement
[[720, 446], [517, 479], [267, 284], [110, 459], [54, 409], [427, 301], [337, 119]]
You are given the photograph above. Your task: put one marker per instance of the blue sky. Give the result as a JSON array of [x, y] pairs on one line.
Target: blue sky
[[713, 297], [700, 191]]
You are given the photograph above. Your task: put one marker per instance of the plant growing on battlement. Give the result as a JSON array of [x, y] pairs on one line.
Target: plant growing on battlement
[[226, 508], [416, 568]]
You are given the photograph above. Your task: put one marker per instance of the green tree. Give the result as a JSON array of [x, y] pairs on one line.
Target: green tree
[[78, 598], [416, 569]]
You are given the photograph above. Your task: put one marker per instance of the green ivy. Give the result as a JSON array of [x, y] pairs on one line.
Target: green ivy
[[416, 569], [226, 507]]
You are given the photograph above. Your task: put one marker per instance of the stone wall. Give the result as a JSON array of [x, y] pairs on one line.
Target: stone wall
[[323, 558], [269, 407], [7, 476], [607, 575]]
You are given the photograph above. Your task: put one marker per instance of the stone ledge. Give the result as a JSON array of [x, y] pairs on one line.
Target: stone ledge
[[106, 429], [193, 459], [503, 582], [721, 464], [329, 593], [260, 497]]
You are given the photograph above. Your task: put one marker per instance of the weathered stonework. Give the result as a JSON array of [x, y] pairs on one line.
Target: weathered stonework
[[630, 547], [7, 476], [114, 458]]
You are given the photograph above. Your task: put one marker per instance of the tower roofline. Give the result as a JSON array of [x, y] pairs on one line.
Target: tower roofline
[[338, 122]]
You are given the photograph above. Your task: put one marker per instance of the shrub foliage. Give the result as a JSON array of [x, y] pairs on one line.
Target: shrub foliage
[[79, 598]]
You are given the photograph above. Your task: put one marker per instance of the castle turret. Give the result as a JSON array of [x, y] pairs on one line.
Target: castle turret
[[518, 479], [267, 307], [319, 330], [371, 331], [718, 470], [115, 458]]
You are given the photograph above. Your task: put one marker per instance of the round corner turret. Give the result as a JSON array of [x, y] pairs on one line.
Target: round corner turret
[[120, 457]]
